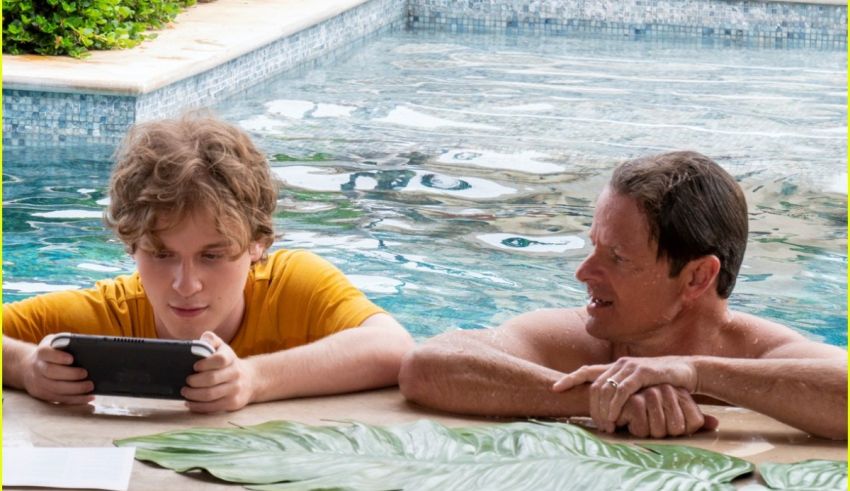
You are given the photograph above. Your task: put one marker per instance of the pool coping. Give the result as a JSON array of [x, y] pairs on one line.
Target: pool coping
[[194, 43], [742, 433]]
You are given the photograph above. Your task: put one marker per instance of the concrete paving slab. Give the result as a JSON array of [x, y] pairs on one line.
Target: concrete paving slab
[[29, 422]]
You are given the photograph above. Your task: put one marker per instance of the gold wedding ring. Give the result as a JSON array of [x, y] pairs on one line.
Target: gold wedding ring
[[613, 383]]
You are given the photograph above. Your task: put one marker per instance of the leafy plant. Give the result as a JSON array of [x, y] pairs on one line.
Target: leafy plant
[[820, 475], [72, 27], [283, 455]]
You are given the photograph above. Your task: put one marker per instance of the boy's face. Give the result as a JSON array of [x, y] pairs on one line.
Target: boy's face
[[193, 282]]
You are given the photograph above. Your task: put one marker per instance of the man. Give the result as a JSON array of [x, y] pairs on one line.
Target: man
[[192, 199], [668, 236]]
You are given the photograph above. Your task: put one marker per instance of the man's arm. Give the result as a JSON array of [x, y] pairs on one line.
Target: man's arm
[[802, 383], [353, 359], [506, 371]]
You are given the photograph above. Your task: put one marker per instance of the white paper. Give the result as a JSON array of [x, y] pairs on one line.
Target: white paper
[[67, 467]]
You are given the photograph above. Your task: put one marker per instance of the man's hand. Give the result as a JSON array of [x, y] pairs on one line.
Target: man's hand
[[224, 382], [613, 384], [663, 411], [47, 375]]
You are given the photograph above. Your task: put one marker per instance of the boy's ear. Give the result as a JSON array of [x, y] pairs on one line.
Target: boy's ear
[[700, 275], [255, 250]]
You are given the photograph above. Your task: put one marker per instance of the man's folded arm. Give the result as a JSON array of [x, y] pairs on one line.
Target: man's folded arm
[[808, 393], [506, 371]]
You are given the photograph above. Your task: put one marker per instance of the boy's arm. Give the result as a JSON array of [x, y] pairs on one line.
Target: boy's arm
[[350, 360]]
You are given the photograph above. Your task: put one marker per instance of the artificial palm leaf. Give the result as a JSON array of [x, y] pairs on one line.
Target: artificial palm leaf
[[425, 455], [820, 475]]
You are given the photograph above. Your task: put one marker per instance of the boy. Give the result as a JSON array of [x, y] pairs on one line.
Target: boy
[[192, 200]]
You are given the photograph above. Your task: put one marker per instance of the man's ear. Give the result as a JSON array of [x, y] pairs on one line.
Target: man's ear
[[700, 275]]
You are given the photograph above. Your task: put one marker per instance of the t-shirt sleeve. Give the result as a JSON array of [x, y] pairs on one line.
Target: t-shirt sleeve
[[315, 295], [102, 309]]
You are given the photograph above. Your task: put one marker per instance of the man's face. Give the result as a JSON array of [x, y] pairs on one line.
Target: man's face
[[193, 282], [631, 293]]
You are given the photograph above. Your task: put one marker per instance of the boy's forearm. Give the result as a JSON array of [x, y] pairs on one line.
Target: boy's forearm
[[355, 359], [14, 353]]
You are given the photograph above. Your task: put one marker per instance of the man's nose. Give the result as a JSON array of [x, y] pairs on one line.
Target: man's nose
[[587, 269], [186, 280]]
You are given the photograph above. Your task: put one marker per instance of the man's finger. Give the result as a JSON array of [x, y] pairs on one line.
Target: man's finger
[[585, 374], [711, 423], [672, 410], [624, 389], [694, 419]]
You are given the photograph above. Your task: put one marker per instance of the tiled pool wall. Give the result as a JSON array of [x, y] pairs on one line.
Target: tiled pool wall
[[38, 118], [746, 22]]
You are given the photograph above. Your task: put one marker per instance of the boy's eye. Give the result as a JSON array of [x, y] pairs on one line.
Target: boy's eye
[[212, 256], [160, 254]]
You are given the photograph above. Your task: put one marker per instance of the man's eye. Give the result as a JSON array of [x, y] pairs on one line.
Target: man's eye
[[212, 256], [161, 254]]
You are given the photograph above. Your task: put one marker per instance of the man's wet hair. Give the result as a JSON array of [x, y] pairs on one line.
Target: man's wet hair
[[694, 208]]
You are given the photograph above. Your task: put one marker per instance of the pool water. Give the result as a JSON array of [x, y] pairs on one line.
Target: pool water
[[453, 177]]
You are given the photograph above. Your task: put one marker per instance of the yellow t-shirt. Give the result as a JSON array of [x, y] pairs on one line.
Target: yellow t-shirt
[[293, 298]]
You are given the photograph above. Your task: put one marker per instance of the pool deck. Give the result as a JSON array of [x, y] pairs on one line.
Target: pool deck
[[193, 43], [28, 422]]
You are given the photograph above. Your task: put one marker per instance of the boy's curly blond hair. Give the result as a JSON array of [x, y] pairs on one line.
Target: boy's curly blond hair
[[169, 169]]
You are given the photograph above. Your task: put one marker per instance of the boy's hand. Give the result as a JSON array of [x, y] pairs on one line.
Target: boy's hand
[[49, 376], [224, 382]]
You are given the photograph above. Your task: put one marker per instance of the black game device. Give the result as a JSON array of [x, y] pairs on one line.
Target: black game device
[[134, 367]]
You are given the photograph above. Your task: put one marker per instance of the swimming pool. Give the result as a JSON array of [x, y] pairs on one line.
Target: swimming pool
[[453, 177]]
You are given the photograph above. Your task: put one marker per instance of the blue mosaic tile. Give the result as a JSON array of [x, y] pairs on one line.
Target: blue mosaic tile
[[747, 22]]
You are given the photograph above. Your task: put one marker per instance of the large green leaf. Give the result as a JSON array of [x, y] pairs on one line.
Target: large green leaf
[[425, 455], [820, 475]]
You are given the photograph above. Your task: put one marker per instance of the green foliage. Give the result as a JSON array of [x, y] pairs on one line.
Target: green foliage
[[72, 27], [283, 455], [821, 475]]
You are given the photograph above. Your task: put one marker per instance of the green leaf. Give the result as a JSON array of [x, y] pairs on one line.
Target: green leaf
[[820, 475], [425, 455]]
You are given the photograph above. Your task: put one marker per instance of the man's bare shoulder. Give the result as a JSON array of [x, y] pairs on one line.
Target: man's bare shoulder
[[756, 337], [559, 337]]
